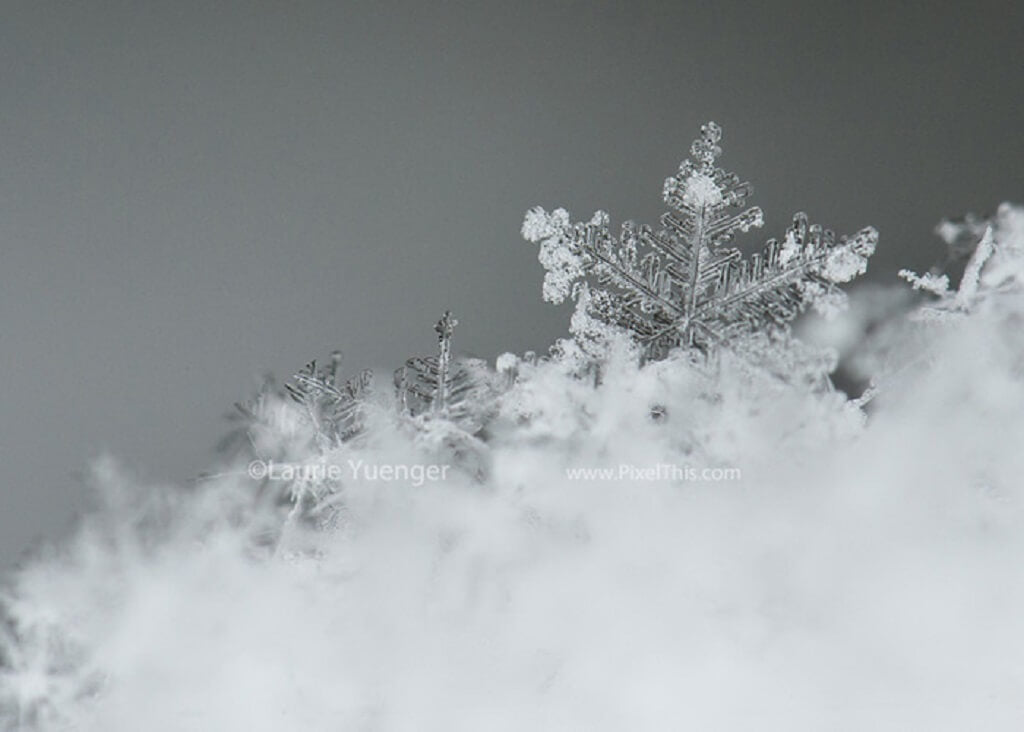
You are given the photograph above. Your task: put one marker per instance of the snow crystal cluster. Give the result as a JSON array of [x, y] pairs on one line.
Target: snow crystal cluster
[[673, 520]]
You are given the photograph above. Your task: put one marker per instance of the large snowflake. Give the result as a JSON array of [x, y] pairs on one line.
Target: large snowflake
[[680, 285]]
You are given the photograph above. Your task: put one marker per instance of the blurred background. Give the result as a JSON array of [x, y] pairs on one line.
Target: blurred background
[[192, 194]]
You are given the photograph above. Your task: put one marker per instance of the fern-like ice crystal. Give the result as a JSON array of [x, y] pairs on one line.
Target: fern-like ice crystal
[[333, 406], [442, 386], [680, 285]]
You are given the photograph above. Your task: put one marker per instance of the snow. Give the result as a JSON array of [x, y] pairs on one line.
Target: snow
[[857, 571], [859, 574]]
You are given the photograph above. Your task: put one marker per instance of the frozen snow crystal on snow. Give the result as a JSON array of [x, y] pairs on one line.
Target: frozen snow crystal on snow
[[995, 264], [680, 285], [442, 386], [332, 407]]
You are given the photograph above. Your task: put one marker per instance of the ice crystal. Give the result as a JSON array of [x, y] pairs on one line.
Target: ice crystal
[[680, 285], [299, 426], [443, 387], [995, 264], [314, 412], [333, 407]]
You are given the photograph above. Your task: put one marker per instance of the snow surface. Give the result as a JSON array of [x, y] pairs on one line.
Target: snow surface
[[864, 573]]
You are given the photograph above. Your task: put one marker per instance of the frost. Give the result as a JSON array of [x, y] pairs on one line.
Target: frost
[[700, 190], [561, 264], [929, 282], [790, 248], [539, 224], [844, 264]]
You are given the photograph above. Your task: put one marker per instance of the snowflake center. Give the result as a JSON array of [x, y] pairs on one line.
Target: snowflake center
[[700, 190]]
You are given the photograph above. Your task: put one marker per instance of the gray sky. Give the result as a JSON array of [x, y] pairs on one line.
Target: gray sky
[[194, 193]]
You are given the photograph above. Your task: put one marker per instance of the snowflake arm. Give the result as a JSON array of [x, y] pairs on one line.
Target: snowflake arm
[[333, 407], [773, 287]]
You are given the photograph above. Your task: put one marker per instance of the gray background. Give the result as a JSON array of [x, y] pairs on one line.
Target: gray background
[[193, 193]]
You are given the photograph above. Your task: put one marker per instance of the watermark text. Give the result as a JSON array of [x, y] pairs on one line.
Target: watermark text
[[417, 474], [659, 472]]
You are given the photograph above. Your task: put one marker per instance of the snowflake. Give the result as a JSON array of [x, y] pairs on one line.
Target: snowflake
[[443, 387], [680, 285], [333, 408]]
